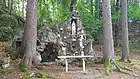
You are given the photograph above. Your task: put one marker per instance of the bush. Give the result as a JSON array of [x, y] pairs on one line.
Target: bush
[[8, 27]]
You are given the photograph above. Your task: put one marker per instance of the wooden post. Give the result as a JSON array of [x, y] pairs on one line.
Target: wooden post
[[66, 60], [82, 53], [67, 57], [66, 63]]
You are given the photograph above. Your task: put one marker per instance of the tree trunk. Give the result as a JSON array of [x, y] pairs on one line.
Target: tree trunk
[[117, 5], [124, 25], [107, 30], [116, 26], [30, 33], [73, 5], [108, 47]]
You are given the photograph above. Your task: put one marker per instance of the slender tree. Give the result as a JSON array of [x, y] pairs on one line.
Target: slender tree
[[116, 25], [30, 33], [73, 5], [124, 25], [117, 5], [107, 28], [108, 47]]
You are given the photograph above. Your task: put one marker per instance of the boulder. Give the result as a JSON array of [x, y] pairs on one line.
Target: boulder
[[5, 63]]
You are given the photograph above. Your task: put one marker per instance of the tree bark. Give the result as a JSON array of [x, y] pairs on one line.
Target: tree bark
[[108, 47], [116, 26], [107, 30], [73, 5], [117, 5], [124, 25], [30, 33]]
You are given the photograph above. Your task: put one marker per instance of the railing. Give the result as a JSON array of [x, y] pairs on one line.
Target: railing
[[67, 57]]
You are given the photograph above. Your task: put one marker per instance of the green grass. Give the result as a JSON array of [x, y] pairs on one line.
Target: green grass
[[23, 68]]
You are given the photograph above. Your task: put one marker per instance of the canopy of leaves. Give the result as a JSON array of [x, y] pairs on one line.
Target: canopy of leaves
[[54, 12]]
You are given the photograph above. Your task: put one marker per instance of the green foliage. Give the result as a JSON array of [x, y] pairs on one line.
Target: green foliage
[[44, 76], [10, 51], [52, 12], [23, 68], [27, 77], [116, 16], [134, 11], [91, 23], [8, 27]]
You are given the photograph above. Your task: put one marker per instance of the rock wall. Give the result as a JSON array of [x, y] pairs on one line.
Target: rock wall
[[134, 30], [51, 41]]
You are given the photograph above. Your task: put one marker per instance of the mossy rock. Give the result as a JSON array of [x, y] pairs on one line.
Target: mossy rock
[[6, 70]]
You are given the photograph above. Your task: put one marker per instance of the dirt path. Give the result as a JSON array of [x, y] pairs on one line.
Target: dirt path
[[92, 72]]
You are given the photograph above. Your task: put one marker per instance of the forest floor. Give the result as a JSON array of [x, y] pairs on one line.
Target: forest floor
[[93, 71]]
